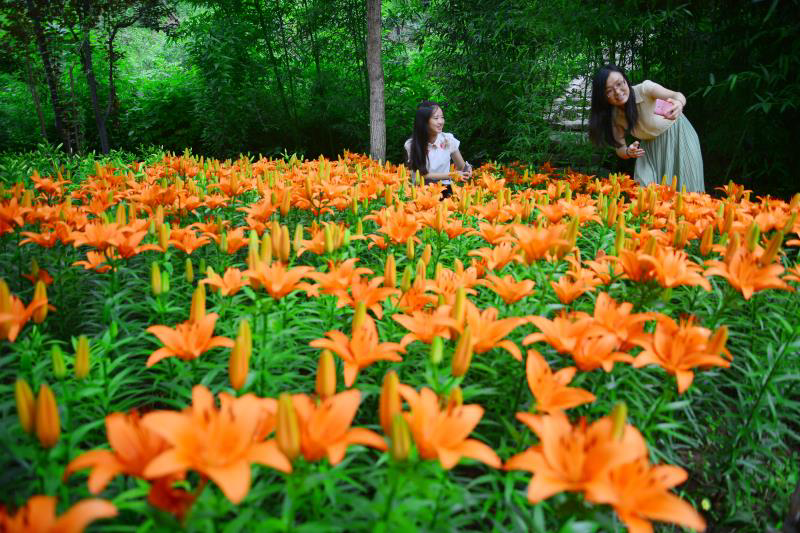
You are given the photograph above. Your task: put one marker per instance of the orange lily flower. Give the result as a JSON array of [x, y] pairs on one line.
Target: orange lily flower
[[361, 350], [639, 492], [486, 330], [188, 241], [562, 333], [276, 278], [98, 235], [679, 348], [793, 274], [442, 433], [188, 340], [508, 288], [400, 227], [39, 516], [370, 292], [448, 281], [14, 315], [634, 264], [573, 458], [325, 427], [127, 243], [549, 389], [132, 447], [616, 320], [220, 443], [97, 261], [228, 284], [45, 238], [416, 297], [494, 234], [424, 326], [498, 257], [604, 267], [11, 214], [594, 352], [535, 243], [746, 275], [338, 277], [671, 268], [568, 290]]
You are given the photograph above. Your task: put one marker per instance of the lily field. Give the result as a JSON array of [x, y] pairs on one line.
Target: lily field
[[320, 346]]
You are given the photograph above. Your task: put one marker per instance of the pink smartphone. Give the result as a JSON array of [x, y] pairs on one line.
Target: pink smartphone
[[662, 107]]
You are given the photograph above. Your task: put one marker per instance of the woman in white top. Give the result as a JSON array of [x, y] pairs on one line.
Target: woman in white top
[[667, 146], [430, 150]]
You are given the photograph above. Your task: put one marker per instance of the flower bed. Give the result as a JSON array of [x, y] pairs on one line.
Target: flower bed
[[319, 345]]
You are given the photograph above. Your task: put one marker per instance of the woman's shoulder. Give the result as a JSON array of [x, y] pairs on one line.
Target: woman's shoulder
[[449, 141]]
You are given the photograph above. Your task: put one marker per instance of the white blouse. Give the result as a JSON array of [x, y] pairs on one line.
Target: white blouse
[[439, 152]]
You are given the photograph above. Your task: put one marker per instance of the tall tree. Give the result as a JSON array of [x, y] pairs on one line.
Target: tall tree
[[52, 70], [377, 108]]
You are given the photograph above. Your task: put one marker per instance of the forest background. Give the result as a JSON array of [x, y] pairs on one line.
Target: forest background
[[275, 77]]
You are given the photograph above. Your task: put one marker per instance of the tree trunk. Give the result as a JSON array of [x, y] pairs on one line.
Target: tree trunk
[[50, 74], [273, 60], [113, 103], [377, 111], [88, 70], [35, 94]]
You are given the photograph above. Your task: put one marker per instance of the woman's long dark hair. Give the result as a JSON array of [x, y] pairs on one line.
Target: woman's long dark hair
[[418, 154], [600, 128]]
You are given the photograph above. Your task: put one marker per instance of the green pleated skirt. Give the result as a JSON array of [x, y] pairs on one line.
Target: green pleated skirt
[[676, 152]]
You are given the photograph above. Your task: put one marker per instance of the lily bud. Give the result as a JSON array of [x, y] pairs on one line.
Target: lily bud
[[360, 315], [405, 283], [359, 227], [265, 252], [198, 309], [390, 272], [40, 294], [189, 271], [455, 399], [239, 362], [286, 244], [727, 222], [458, 266], [82, 357], [287, 432], [163, 236], [298, 236], [619, 419], [26, 408], [286, 202], [790, 223], [437, 350], [769, 254], [650, 246], [326, 375], [426, 253], [400, 434], [681, 235], [223, 242], [619, 237], [59, 367], [390, 403], [463, 354], [460, 307], [201, 266], [732, 248], [48, 423], [328, 234], [410, 249], [421, 270], [707, 241], [752, 236], [165, 281]]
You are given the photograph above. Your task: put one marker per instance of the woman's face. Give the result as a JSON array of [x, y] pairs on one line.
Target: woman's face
[[617, 90], [436, 122]]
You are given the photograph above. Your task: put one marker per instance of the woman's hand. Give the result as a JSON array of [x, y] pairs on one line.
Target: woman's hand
[[633, 150], [676, 109]]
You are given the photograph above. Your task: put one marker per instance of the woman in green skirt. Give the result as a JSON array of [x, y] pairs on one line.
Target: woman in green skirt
[[667, 144]]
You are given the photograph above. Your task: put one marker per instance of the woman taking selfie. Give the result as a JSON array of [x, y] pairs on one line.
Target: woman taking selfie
[[667, 146], [430, 150]]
